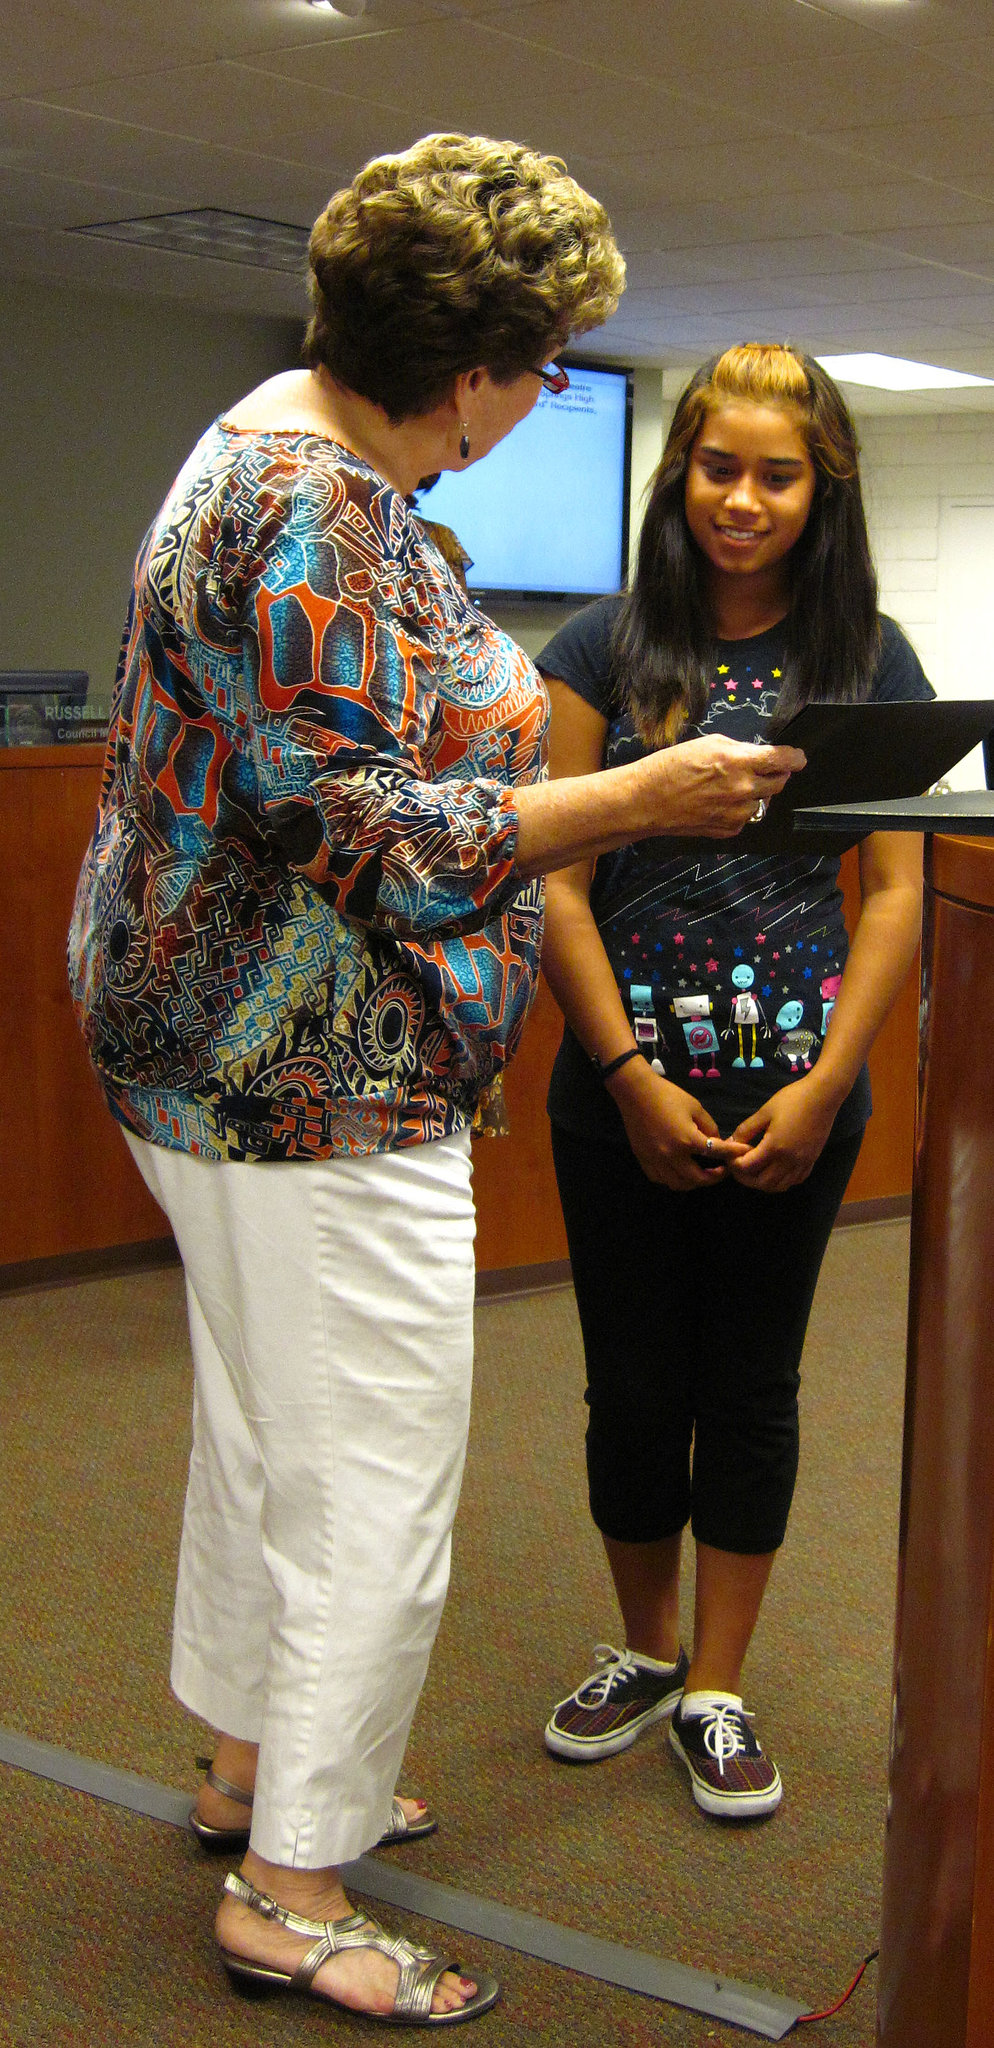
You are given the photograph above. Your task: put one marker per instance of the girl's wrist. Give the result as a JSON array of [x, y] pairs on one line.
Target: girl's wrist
[[605, 1069], [831, 1087]]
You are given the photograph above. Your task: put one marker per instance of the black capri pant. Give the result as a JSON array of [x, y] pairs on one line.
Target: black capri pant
[[693, 1308]]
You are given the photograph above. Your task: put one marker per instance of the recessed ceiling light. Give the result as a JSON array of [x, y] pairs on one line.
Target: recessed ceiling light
[[212, 232], [893, 373], [350, 8]]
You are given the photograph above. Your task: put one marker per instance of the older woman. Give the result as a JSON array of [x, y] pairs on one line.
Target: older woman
[[305, 939]]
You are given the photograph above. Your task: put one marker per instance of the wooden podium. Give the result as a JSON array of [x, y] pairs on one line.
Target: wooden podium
[[936, 1967]]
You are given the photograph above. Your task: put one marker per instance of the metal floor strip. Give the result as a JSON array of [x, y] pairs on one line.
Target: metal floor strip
[[722, 1998]]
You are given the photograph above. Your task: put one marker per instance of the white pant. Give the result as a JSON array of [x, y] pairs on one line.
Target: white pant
[[331, 1307]]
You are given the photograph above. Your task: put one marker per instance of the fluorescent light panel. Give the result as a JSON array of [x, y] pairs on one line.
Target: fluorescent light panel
[[893, 373], [208, 231]]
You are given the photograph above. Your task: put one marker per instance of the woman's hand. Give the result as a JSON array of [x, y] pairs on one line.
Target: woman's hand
[[669, 1131], [784, 1138], [709, 786], [715, 786]]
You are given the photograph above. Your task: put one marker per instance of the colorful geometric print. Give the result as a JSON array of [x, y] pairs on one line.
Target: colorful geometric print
[[299, 929]]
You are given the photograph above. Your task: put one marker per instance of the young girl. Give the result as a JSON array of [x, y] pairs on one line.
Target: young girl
[[705, 1117]]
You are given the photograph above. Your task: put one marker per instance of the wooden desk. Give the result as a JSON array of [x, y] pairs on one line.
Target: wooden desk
[[936, 1972]]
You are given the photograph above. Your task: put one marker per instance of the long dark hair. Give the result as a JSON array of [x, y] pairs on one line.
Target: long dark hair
[[665, 630]]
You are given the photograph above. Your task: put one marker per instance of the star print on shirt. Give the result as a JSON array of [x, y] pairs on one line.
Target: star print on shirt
[[723, 668], [776, 673], [712, 966]]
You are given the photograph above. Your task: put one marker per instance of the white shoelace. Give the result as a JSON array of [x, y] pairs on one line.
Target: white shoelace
[[724, 1732], [615, 1664]]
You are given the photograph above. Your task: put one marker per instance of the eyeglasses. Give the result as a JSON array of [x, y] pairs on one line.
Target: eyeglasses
[[554, 378]]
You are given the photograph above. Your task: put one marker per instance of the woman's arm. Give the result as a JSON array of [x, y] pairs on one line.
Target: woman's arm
[[786, 1136], [668, 1129], [707, 786], [341, 733]]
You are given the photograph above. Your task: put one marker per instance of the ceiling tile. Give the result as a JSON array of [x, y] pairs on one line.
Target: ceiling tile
[[228, 105], [75, 149], [924, 23], [952, 148], [831, 256], [885, 83], [689, 45], [966, 249], [672, 179], [824, 165], [112, 266]]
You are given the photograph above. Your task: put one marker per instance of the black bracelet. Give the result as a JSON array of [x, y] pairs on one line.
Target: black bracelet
[[606, 1069]]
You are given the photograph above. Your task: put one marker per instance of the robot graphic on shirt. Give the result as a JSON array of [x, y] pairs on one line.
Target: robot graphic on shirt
[[746, 1018], [694, 1014], [644, 1024], [796, 1046], [829, 990]]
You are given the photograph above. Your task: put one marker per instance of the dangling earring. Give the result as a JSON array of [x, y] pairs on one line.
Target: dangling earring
[[464, 442]]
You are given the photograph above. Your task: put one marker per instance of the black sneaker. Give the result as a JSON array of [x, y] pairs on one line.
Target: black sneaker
[[611, 1708], [729, 1775]]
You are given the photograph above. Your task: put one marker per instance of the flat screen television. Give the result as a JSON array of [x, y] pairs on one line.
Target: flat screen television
[[545, 514]]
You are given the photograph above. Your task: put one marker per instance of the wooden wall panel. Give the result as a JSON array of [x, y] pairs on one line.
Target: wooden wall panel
[[519, 1221], [936, 1972], [68, 1183], [886, 1163]]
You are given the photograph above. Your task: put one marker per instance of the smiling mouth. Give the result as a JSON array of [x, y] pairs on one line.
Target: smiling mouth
[[740, 532]]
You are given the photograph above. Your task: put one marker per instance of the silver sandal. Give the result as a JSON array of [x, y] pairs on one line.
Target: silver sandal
[[420, 1970], [219, 1838], [398, 1828]]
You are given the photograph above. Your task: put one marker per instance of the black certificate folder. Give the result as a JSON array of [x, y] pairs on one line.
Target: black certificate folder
[[863, 753]]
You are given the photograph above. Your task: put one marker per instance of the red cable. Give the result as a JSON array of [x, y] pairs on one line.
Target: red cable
[[803, 2017]]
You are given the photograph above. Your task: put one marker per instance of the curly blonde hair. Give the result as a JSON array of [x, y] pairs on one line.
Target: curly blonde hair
[[459, 253]]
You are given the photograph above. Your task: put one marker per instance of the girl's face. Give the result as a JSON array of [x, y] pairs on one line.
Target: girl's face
[[750, 483]]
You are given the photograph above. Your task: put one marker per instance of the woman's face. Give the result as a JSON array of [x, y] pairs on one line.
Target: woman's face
[[750, 483]]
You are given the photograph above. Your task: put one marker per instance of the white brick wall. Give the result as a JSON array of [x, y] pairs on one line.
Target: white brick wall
[[936, 581], [910, 466]]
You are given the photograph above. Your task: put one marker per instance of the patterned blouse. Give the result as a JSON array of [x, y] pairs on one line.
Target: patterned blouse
[[299, 929]]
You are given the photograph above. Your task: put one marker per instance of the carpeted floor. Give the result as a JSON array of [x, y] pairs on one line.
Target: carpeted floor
[[107, 1914]]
